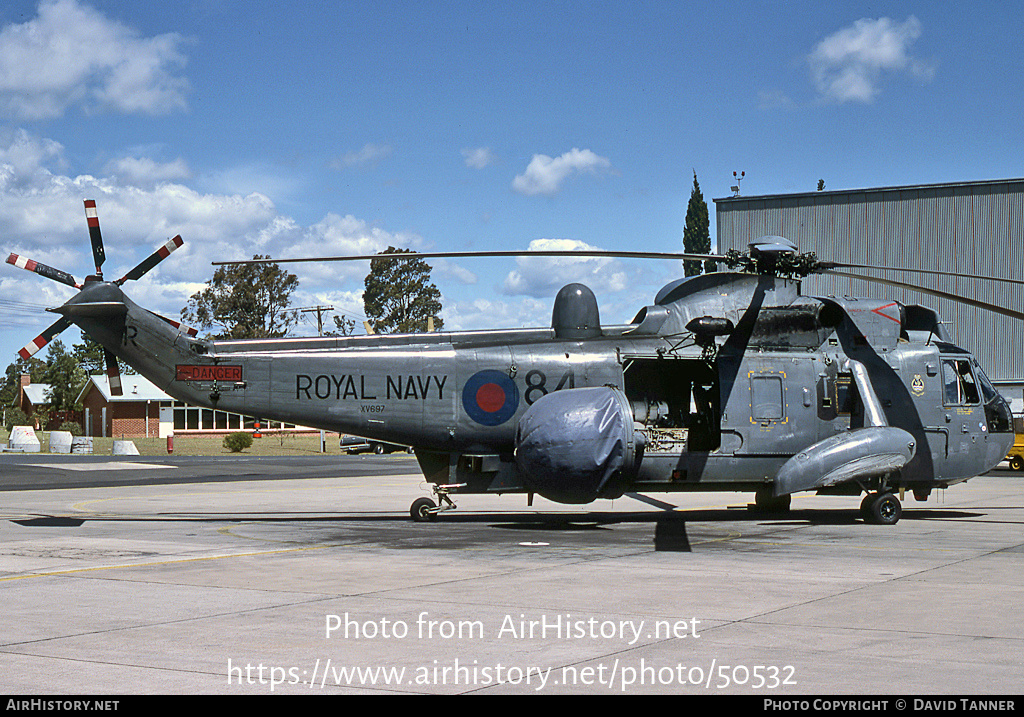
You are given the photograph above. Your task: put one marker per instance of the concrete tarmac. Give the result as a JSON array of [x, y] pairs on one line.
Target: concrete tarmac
[[214, 576]]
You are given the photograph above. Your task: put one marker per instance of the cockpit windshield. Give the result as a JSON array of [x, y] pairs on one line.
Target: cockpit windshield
[[988, 391], [997, 409]]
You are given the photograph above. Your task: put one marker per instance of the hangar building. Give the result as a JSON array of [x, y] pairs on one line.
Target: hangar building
[[970, 227]]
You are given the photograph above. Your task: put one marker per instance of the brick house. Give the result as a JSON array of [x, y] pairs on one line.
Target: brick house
[[145, 411], [136, 414], [31, 397], [34, 401]]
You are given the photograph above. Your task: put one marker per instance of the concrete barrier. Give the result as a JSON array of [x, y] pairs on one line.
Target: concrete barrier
[[23, 438], [125, 448], [60, 441]]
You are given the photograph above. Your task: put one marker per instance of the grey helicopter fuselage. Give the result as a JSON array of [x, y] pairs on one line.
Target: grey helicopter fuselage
[[727, 382]]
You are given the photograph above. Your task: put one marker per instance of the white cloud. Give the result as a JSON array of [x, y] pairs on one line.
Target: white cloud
[[371, 154], [479, 157], [260, 177], [483, 313], [337, 235], [535, 312], [773, 100], [143, 170], [545, 175], [544, 276], [443, 268], [24, 159], [42, 217], [70, 54], [847, 65]]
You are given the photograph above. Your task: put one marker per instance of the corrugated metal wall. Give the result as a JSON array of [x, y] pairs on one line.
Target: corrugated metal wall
[[974, 228]]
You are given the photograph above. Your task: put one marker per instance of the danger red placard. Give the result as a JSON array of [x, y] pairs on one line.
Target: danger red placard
[[209, 373]]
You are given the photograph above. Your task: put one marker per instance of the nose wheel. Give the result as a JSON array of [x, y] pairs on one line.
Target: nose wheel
[[424, 509], [881, 509]]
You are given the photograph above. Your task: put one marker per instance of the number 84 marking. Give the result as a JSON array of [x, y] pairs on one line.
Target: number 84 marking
[[536, 384]]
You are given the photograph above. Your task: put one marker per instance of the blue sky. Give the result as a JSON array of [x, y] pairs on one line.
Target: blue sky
[[313, 129]]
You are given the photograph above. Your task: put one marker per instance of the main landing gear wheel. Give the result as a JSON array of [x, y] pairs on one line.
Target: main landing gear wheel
[[423, 509], [766, 502], [881, 509]]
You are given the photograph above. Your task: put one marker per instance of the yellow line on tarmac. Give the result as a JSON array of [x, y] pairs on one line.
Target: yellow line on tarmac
[[52, 573], [82, 505]]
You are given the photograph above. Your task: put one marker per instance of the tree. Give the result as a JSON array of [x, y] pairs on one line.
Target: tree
[[91, 357], [343, 326], [65, 377], [244, 301], [61, 371], [14, 416], [33, 366], [399, 295], [696, 232]]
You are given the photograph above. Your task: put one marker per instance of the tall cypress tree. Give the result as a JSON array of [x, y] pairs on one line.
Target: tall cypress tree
[[697, 232]]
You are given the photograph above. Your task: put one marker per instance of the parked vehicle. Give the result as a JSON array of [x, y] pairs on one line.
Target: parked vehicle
[[356, 444], [1016, 454]]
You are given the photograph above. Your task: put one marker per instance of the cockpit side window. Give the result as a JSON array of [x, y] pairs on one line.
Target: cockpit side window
[[958, 383]]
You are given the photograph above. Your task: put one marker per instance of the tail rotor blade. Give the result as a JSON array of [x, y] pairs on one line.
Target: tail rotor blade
[[94, 235], [113, 373], [23, 262], [152, 260], [44, 338]]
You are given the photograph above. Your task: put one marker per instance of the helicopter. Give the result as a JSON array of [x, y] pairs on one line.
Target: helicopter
[[729, 381]]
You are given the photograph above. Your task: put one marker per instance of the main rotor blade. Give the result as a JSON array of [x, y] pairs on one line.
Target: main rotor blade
[[49, 272], [931, 292], [44, 338], [951, 274], [488, 254], [95, 237], [152, 260]]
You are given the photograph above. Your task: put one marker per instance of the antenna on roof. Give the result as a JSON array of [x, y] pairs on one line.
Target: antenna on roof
[[736, 187]]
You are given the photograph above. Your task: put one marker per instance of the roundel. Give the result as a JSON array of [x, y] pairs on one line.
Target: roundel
[[490, 397]]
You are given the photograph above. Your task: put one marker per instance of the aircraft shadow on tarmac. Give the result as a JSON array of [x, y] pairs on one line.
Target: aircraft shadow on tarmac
[[670, 533], [520, 520], [670, 527]]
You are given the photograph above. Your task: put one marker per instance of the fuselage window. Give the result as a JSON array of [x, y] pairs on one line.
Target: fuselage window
[[766, 397]]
